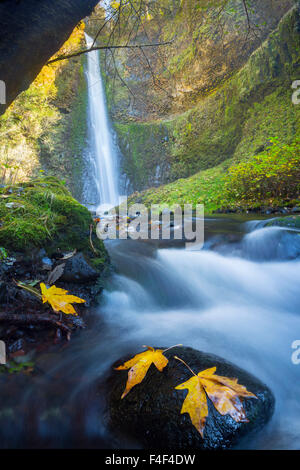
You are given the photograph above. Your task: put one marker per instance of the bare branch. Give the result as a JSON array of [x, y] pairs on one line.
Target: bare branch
[[97, 48]]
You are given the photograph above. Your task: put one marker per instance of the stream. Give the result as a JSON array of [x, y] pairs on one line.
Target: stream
[[226, 299]]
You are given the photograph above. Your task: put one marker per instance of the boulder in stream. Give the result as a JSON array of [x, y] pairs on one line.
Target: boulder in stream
[[151, 412]]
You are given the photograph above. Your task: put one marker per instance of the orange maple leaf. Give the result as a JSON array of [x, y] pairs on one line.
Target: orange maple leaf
[[59, 301], [140, 364], [222, 391]]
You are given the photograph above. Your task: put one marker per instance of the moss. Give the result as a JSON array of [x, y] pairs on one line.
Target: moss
[[142, 143], [270, 179], [98, 262], [62, 149], [206, 187], [292, 222], [233, 121], [44, 214]]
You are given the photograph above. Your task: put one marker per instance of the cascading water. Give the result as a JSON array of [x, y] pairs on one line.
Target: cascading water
[[103, 158]]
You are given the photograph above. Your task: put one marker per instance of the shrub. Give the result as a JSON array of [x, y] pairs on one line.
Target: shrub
[[273, 175]]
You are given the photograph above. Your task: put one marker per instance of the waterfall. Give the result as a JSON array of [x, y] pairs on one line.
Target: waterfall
[[103, 151]]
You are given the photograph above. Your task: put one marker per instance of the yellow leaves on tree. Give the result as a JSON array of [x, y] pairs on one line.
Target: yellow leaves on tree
[[115, 5], [47, 75], [140, 364], [59, 300], [224, 393]]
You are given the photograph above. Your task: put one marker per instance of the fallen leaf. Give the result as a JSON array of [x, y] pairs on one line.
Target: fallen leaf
[[59, 301], [56, 273], [140, 364], [69, 255], [222, 391]]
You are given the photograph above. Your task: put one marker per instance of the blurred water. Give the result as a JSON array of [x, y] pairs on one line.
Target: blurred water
[[235, 298], [103, 164]]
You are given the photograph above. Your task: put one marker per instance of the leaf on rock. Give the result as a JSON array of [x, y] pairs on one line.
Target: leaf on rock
[[140, 364], [224, 393], [59, 301]]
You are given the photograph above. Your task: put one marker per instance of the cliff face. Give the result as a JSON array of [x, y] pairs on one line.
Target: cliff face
[[208, 46], [215, 96], [45, 128], [31, 31]]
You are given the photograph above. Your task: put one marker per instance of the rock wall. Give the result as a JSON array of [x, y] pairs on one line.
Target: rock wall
[[45, 128], [31, 31]]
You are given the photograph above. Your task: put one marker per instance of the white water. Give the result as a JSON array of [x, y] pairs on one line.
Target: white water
[[102, 145], [242, 309]]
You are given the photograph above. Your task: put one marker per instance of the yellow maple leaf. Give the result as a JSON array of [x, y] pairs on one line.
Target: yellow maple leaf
[[222, 391], [140, 364], [59, 301]]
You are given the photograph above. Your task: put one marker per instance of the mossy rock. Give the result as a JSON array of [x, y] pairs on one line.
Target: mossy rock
[[42, 213], [288, 222]]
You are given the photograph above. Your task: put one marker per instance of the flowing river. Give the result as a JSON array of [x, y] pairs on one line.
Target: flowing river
[[227, 299], [238, 297]]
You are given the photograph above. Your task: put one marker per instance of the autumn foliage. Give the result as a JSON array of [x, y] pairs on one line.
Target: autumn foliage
[[59, 299], [224, 393], [139, 366]]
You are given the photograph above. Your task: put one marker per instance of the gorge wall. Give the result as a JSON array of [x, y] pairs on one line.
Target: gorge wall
[[44, 130], [216, 94], [209, 97]]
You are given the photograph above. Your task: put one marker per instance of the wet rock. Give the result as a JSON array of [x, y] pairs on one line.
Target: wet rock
[[46, 263], [3, 292], [17, 346], [77, 269], [41, 254], [150, 413]]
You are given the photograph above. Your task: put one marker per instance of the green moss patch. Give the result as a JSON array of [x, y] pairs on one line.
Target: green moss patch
[[42, 213]]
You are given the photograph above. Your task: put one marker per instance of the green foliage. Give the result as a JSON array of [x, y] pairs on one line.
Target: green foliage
[[272, 176], [205, 187], [13, 367], [3, 253]]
